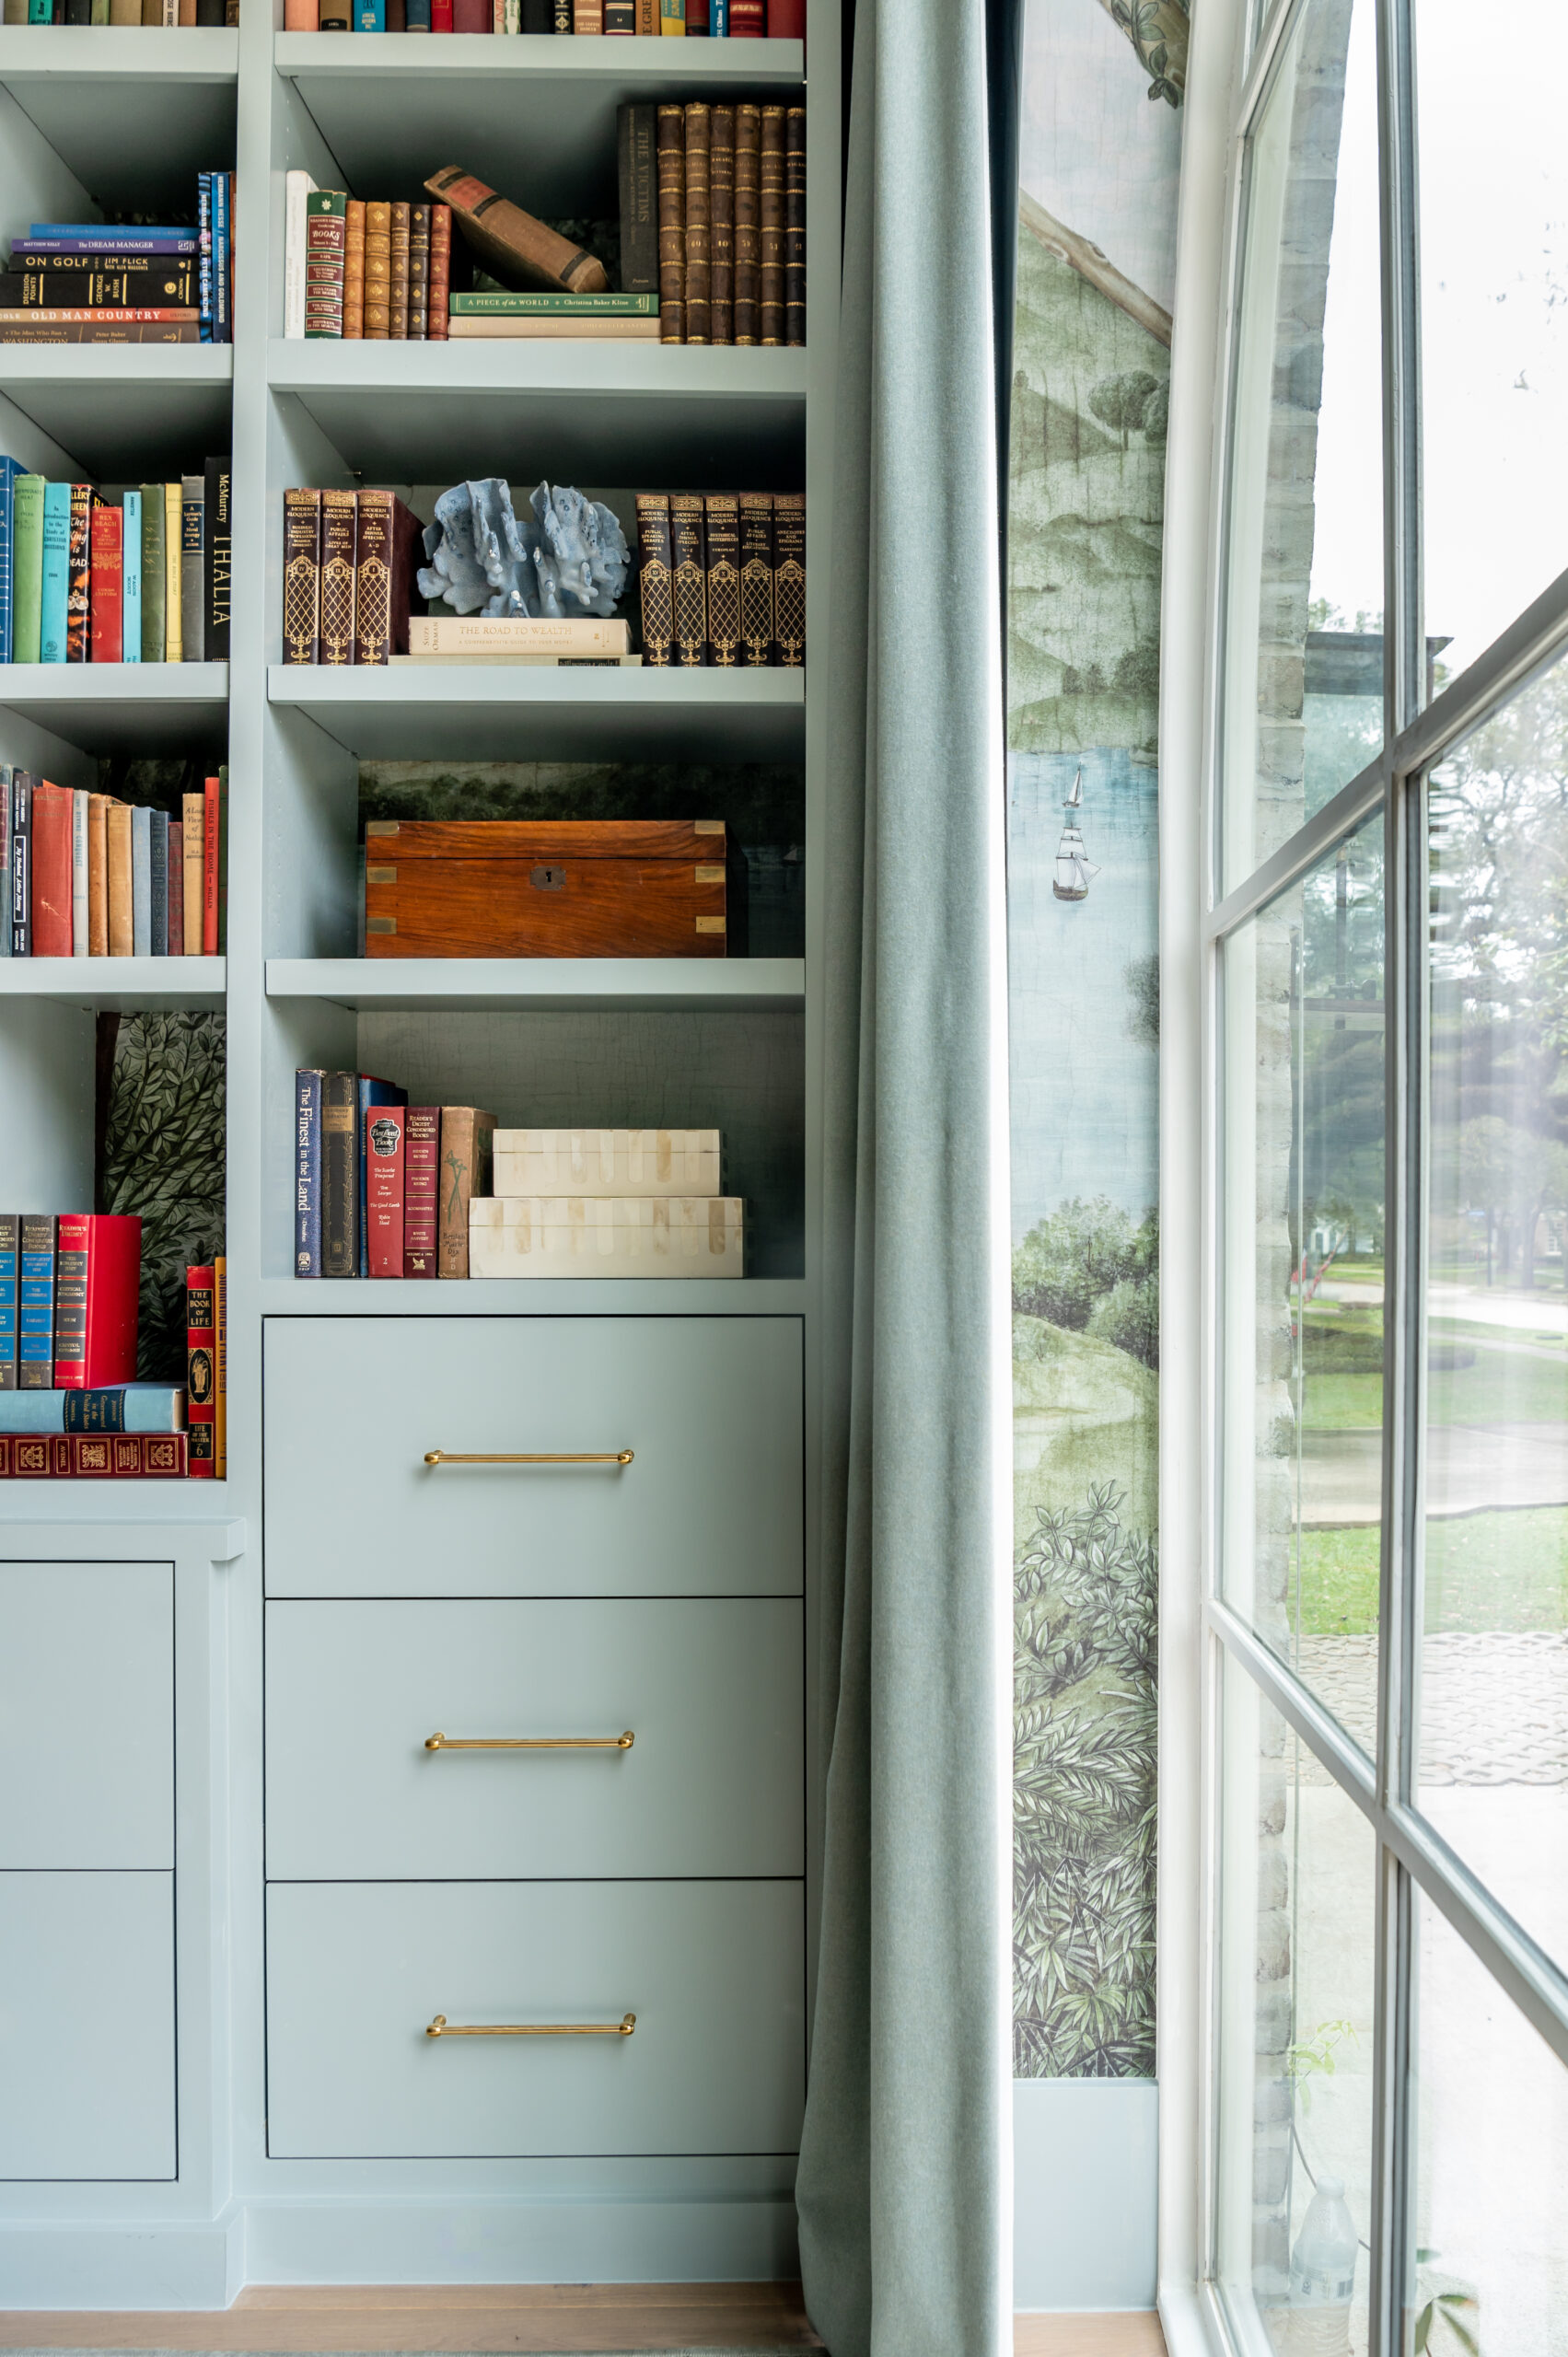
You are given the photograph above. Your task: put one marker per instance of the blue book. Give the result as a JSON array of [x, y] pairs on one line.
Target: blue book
[[10, 1227], [205, 266], [35, 1303], [56, 572], [108, 241], [9, 470], [130, 579], [371, 17], [114, 1408], [159, 944], [223, 326], [6, 774], [95, 233], [308, 1173], [370, 1092], [718, 19], [142, 882], [416, 15]]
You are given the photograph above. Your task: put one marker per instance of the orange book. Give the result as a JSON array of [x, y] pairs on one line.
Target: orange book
[[122, 929], [98, 875], [302, 15], [378, 270], [353, 268], [193, 812], [210, 868]]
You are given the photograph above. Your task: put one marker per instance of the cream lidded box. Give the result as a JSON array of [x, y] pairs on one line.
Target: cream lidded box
[[605, 1236], [607, 1162]]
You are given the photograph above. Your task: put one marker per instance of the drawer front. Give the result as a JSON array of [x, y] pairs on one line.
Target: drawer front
[[86, 1715], [355, 1972], [710, 1506], [86, 2025], [710, 1689]]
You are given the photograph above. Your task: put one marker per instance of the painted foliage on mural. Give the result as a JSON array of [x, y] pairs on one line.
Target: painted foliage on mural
[[1098, 166]]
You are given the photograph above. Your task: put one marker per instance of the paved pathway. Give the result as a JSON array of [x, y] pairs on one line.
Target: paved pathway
[[1470, 1469], [1494, 1709]]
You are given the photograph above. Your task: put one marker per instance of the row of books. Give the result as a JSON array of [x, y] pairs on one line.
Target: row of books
[[125, 575], [122, 12], [722, 577], [343, 1228], [721, 232], [349, 562], [693, 19], [89, 876], [74, 282], [363, 269], [607, 1202]]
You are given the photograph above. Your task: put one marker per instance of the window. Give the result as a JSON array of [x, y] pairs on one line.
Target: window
[[1386, 1581]]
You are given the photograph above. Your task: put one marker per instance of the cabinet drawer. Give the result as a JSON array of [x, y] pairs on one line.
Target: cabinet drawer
[[710, 1689], [86, 2025], [86, 1715], [712, 1972], [710, 1506]]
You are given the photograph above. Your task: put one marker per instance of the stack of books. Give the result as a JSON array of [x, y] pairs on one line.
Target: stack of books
[[117, 575], [348, 576], [74, 282], [606, 1203], [722, 577], [713, 216], [382, 1187], [89, 876], [586, 643], [695, 19], [122, 12], [360, 270]]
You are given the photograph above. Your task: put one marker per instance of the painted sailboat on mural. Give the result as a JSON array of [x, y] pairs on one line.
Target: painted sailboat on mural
[[1074, 868]]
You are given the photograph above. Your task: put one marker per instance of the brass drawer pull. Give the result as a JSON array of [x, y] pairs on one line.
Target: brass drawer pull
[[530, 1742], [442, 2028], [609, 1457]]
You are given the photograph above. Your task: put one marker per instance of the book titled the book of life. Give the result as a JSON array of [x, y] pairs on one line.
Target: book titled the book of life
[[515, 635]]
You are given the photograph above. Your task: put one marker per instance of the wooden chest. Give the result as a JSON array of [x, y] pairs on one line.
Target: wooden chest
[[527, 887]]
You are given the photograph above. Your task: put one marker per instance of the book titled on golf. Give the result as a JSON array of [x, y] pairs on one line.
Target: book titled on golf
[[435, 636]]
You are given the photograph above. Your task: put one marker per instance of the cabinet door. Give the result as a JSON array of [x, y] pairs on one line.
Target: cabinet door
[[86, 1715], [710, 1407], [86, 2025]]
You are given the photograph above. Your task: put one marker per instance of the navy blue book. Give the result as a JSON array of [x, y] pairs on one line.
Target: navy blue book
[[9, 470], [308, 1173], [157, 863], [22, 783], [35, 1308], [9, 1239], [223, 326], [370, 1092]]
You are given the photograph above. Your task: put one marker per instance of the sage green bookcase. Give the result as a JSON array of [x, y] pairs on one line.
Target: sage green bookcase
[[178, 2199]]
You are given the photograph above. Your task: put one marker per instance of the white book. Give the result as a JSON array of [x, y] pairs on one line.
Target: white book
[[515, 633], [78, 871], [298, 186]]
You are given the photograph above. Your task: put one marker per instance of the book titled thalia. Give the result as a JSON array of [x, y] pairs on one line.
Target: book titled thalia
[[97, 1280]]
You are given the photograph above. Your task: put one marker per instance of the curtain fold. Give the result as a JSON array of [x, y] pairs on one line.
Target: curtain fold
[[904, 2185]]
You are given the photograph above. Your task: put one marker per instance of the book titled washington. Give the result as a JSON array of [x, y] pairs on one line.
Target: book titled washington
[[308, 1086], [35, 1303], [200, 1371], [384, 1128], [97, 1280]]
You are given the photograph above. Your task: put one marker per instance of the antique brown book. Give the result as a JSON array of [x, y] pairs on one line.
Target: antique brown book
[[353, 268], [688, 579], [511, 241], [527, 887], [378, 270], [789, 578], [397, 274], [771, 211], [698, 251], [656, 568], [418, 272], [117, 831], [388, 537], [440, 272], [794, 225], [672, 225], [721, 206], [756, 578], [338, 518], [78, 578], [721, 524], [466, 1150], [302, 576], [98, 875], [748, 219]]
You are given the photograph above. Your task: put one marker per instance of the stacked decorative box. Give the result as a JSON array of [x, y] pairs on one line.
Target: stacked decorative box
[[607, 1202]]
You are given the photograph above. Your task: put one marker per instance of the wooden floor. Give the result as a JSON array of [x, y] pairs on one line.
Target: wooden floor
[[533, 2318]]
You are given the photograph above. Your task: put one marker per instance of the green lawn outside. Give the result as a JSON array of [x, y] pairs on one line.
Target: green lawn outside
[[1503, 1572], [1518, 1387]]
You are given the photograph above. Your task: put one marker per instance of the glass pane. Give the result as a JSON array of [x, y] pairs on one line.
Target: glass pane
[[1495, 333], [1301, 1276], [1297, 1941], [1492, 1756], [1304, 650], [1490, 2147]]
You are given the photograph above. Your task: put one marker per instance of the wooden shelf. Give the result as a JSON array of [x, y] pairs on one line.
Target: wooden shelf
[[123, 707], [503, 713], [125, 411], [525, 1296], [543, 985], [117, 985], [134, 112]]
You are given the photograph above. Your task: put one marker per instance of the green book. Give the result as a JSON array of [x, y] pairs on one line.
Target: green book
[[554, 307], [326, 230], [26, 558], [154, 572]]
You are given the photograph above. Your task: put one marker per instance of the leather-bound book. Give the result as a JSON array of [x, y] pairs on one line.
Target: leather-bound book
[[395, 17], [771, 223], [96, 1281], [787, 19], [655, 570], [339, 538], [78, 578], [587, 18], [324, 237], [756, 579], [440, 274], [511, 241], [746, 20], [35, 1304], [467, 1139], [471, 16], [378, 270], [690, 579], [397, 273], [672, 225], [698, 27], [385, 1179], [789, 578], [388, 547], [353, 268], [620, 17], [121, 906], [561, 16], [637, 172], [418, 272], [98, 876], [302, 576], [721, 526], [340, 1175], [422, 1151], [794, 225], [721, 207], [699, 250], [748, 217]]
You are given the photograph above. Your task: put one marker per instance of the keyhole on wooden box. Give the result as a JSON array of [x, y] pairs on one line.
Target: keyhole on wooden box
[[548, 879]]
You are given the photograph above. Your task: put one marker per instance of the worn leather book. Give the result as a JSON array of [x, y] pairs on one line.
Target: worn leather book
[[672, 225], [748, 219], [688, 579], [721, 206], [794, 225], [789, 578], [756, 579], [302, 576], [721, 530], [771, 216], [467, 1141], [353, 268], [50, 871], [397, 273], [699, 248], [524, 888], [378, 270], [340, 1175], [510, 241], [325, 211], [656, 576], [339, 541], [388, 552], [418, 272], [121, 905], [421, 1152], [440, 274], [637, 173]]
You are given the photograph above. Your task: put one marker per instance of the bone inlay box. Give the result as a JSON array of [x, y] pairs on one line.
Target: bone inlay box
[[607, 1162], [631, 1236]]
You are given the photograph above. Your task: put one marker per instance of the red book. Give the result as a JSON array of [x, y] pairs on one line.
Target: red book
[[471, 16], [108, 589], [787, 19], [440, 16], [97, 1281], [175, 888], [200, 1371], [422, 1146], [746, 20], [210, 811], [697, 20], [51, 871], [384, 1188]]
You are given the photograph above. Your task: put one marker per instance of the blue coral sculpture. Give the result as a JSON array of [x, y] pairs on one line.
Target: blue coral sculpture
[[569, 558]]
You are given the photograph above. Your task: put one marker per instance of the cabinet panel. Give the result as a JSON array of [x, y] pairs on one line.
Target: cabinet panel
[[712, 1972], [86, 1714], [711, 1504], [711, 1689], [86, 2025]]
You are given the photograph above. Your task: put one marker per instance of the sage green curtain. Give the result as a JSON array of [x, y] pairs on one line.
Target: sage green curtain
[[904, 2189]]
